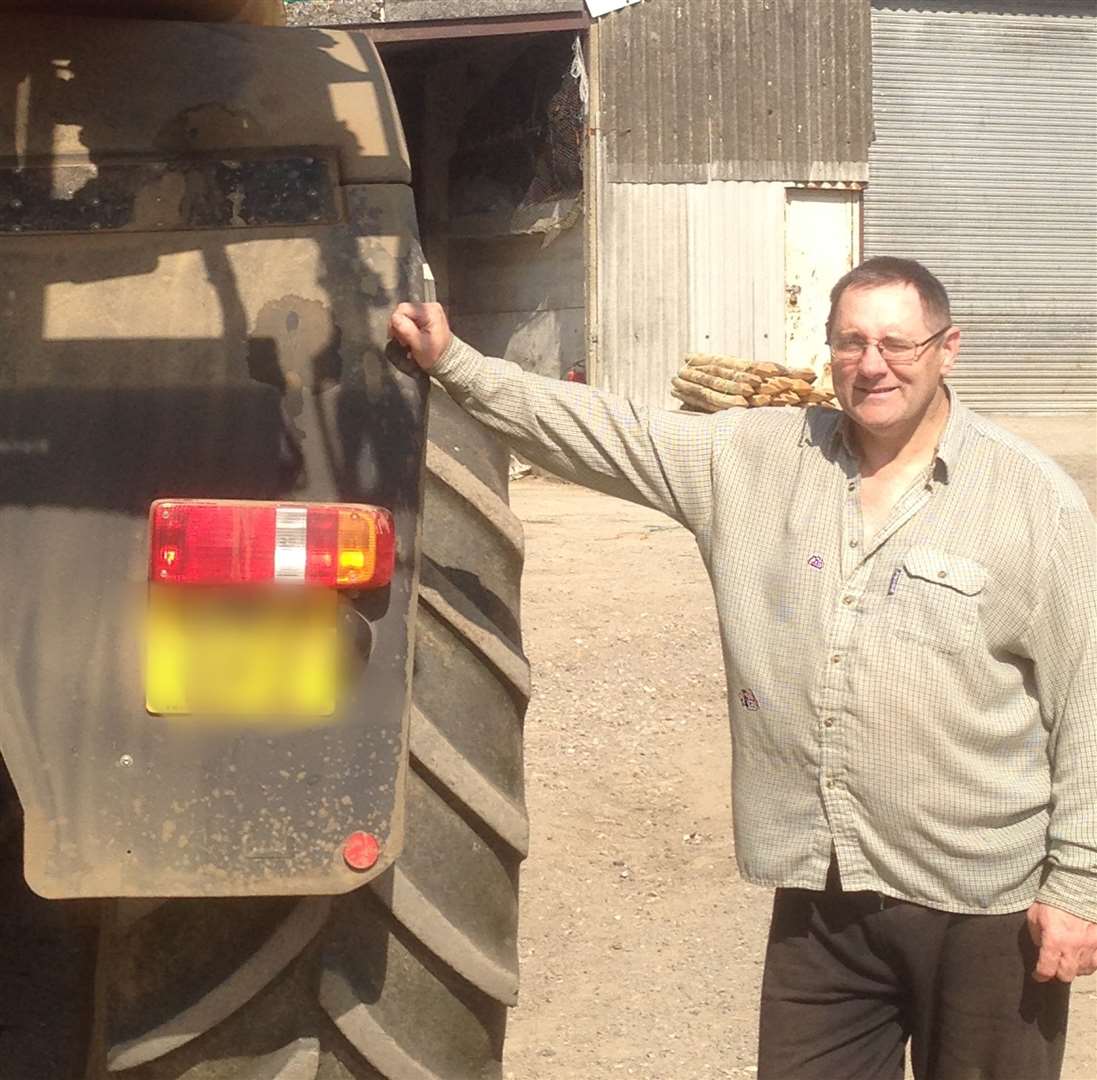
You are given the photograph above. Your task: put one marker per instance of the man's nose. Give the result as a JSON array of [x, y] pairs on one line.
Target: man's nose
[[872, 361]]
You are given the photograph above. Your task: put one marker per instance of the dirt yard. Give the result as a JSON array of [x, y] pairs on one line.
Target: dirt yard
[[641, 949]]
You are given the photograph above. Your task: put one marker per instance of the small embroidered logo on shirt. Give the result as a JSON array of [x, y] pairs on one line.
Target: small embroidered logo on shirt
[[749, 700], [894, 584], [816, 562]]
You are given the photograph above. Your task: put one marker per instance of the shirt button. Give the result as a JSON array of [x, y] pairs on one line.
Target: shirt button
[[852, 486], [831, 783], [848, 599], [829, 722], [853, 543], [942, 573], [836, 659]]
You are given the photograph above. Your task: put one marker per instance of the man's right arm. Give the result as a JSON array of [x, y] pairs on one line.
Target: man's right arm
[[661, 459]]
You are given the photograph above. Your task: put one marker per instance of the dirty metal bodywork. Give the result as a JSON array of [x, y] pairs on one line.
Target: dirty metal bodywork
[[195, 279]]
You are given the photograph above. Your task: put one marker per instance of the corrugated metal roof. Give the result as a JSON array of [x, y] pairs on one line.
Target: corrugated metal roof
[[336, 12], [694, 90], [333, 12], [409, 10]]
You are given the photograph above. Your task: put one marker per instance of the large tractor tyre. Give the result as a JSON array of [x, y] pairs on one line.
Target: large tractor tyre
[[408, 978]]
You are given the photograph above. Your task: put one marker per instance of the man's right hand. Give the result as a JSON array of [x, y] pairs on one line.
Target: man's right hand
[[423, 330]]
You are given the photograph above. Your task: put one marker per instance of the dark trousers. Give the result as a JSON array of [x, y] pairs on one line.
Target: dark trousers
[[850, 977]]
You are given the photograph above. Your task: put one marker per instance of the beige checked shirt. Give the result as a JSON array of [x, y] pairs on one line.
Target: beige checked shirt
[[923, 700]]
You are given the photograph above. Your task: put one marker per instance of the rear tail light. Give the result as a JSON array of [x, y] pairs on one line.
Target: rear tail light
[[225, 542]]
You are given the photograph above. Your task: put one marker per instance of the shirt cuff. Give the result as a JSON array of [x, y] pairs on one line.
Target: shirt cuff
[[1070, 890], [458, 366]]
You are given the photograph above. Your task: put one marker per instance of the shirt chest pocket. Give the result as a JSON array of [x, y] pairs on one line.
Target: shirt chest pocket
[[935, 599]]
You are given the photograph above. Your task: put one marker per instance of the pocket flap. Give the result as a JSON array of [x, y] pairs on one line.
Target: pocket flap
[[942, 568]]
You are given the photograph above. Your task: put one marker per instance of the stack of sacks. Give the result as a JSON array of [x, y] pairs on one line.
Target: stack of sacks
[[712, 383]]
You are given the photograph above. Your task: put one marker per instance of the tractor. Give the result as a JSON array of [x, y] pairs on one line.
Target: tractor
[[261, 672]]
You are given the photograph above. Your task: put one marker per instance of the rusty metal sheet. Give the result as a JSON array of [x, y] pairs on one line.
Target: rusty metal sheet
[[736, 90]]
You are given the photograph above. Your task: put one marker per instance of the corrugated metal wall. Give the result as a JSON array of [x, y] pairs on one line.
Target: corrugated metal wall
[[704, 111], [985, 168], [643, 289], [736, 90], [686, 268], [736, 271]]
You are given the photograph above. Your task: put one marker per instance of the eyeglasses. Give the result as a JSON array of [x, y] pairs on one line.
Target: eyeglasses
[[849, 348]]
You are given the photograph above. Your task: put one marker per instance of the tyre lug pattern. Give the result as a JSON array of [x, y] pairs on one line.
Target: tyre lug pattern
[[300, 1060], [198, 1016], [404, 1009], [435, 756], [410, 977], [453, 896]]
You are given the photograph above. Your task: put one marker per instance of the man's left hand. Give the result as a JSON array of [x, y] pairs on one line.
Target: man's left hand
[[1067, 944]]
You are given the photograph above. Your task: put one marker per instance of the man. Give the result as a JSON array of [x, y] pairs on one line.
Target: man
[[908, 605]]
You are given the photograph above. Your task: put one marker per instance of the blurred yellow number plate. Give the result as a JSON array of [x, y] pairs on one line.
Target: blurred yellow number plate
[[240, 652]]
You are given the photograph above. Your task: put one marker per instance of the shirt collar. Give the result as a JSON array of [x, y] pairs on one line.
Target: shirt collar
[[952, 438], [833, 430]]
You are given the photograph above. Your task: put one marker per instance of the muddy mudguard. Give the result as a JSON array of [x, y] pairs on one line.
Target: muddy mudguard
[[202, 231], [196, 275]]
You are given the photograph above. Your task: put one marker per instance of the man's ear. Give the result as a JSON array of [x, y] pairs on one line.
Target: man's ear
[[949, 350]]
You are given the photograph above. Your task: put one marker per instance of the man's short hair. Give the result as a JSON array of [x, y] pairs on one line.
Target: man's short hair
[[888, 270]]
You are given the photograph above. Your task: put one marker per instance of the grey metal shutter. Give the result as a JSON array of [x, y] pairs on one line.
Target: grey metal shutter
[[985, 169]]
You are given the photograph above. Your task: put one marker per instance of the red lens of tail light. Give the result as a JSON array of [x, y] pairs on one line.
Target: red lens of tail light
[[229, 542]]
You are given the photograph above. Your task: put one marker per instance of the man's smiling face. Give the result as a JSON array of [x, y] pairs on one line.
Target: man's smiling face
[[889, 399]]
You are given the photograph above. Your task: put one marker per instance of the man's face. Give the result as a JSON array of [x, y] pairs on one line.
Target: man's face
[[889, 399]]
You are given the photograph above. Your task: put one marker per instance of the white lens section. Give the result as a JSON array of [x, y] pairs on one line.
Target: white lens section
[[290, 542]]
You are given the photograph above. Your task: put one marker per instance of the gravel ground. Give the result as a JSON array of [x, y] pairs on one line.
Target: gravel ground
[[332, 12], [641, 949]]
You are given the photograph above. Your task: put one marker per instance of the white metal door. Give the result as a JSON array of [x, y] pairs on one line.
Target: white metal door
[[822, 242]]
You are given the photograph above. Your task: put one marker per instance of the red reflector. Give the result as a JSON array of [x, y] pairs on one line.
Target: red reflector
[[225, 542], [361, 850]]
